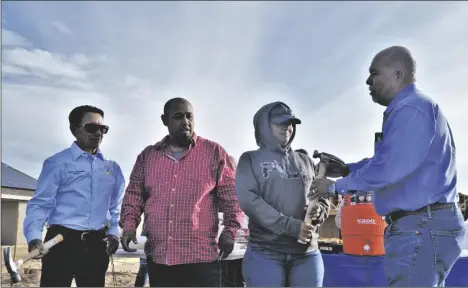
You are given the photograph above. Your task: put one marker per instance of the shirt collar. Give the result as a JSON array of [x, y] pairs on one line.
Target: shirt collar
[[410, 88], [163, 144], [77, 152]]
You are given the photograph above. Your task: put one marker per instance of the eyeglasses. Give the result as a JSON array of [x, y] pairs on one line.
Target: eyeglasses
[[93, 128]]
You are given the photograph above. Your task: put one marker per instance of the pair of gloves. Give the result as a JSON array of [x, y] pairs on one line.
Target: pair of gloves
[[225, 243], [112, 246]]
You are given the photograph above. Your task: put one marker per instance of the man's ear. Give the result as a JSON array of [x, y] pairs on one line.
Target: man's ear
[[164, 119], [72, 130], [400, 74], [399, 71]]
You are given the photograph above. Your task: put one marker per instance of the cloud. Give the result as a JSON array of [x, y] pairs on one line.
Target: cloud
[[62, 27], [228, 59], [10, 38], [42, 63]]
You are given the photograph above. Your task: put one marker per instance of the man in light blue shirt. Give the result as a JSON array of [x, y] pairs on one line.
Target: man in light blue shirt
[[78, 194], [413, 175]]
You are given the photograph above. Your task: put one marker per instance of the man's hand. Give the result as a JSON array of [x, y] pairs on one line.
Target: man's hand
[[37, 244], [306, 232], [128, 236], [226, 245], [321, 187], [112, 244]]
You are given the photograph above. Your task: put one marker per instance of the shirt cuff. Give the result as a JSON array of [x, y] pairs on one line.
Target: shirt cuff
[[352, 167], [114, 230], [340, 186], [127, 225], [33, 235]]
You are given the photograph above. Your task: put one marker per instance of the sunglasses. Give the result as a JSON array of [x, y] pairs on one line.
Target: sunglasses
[[93, 128]]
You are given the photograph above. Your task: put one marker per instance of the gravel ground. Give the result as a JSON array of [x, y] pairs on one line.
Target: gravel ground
[[126, 270]]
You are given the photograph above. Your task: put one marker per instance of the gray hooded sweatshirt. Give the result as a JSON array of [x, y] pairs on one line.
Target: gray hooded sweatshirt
[[272, 184]]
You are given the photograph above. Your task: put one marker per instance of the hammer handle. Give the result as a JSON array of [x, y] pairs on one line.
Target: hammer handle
[[47, 245], [314, 200], [322, 170], [308, 218]]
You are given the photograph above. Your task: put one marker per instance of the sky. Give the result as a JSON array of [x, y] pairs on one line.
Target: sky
[[228, 59]]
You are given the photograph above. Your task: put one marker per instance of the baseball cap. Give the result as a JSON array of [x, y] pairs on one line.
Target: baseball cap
[[281, 114]]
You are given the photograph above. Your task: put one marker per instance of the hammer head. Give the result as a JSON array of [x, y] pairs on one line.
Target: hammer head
[[335, 166], [327, 158], [11, 265]]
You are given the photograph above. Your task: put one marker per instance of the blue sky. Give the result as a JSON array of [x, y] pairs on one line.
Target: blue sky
[[228, 59]]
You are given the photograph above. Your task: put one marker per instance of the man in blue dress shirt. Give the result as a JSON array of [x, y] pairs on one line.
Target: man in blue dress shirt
[[78, 194], [413, 175]]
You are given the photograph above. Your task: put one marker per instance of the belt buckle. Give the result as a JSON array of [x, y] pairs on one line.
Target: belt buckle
[[83, 234]]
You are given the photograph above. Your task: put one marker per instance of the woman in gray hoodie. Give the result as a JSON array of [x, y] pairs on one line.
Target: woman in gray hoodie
[[272, 183]]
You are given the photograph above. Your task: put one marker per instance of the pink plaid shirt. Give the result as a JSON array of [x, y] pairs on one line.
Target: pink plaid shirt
[[184, 197]]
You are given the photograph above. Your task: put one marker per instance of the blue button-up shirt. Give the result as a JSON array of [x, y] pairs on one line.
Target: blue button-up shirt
[[414, 165], [77, 190]]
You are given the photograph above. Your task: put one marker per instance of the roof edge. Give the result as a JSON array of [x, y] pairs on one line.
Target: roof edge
[[11, 167]]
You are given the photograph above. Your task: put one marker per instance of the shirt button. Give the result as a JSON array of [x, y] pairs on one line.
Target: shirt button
[[170, 222], [173, 189], [172, 205], [170, 238], [175, 176]]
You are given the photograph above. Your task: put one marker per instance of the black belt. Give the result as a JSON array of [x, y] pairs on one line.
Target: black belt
[[83, 235], [394, 216]]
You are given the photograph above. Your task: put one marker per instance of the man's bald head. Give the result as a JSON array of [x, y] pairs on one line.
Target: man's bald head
[[391, 70], [399, 57], [174, 101]]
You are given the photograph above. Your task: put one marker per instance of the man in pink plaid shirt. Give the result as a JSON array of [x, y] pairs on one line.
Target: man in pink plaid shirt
[[187, 180]]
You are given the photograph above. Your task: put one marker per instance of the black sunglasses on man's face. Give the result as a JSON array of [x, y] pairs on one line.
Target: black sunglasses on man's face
[[93, 128]]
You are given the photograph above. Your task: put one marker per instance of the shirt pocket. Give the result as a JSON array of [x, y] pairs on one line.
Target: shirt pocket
[[201, 185], [75, 174], [105, 178], [158, 183], [202, 180]]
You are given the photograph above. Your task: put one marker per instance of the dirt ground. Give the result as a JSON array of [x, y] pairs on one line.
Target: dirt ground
[[125, 270]]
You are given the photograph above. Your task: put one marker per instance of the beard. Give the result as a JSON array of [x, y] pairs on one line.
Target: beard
[[379, 100], [183, 139]]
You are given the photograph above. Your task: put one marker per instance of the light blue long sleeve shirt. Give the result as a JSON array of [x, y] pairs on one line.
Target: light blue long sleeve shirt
[[77, 190], [414, 165]]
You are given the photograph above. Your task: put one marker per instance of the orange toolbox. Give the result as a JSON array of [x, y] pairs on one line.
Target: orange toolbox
[[362, 229]]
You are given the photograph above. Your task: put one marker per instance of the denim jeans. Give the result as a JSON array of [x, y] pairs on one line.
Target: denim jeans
[[265, 268], [421, 249], [142, 276]]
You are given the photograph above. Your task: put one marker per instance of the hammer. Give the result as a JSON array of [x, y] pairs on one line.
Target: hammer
[[325, 158], [12, 266]]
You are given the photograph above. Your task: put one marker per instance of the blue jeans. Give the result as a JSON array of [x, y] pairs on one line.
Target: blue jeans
[[421, 249], [262, 267], [142, 276]]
